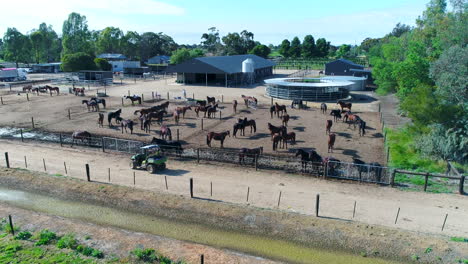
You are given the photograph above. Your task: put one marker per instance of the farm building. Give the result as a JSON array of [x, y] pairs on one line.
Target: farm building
[[47, 67], [112, 56], [136, 70], [160, 59], [100, 76], [342, 67], [307, 89], [119, 66], [225, 71]]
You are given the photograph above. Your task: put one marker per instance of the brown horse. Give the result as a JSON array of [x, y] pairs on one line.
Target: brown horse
[[280, 108], [217, 136], [336, 114], [328, 127], [165, 132], [158, 116], [331, 141], [51, 89], [81, 135], [285, 119], [272, 110], [362, 127], [211, 100], [176, 116], [144, 111], [277, 138], [101, 120], [289, 136], [344, 105], [211, 111], [35, 90], [127, 123], [351, 119], [145, 124], [27, 88], [234, 106], [92, 105], [133, 98], [79, 91], [323, 108], [276, 130], [249, 123], [200, 108], [183, 109], [254, 153]]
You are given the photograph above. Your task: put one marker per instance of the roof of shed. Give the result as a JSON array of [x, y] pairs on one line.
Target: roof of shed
[[347, 62]]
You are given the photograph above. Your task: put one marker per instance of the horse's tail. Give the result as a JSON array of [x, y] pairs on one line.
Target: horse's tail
[[254, 126], [208, 139], [103, 102]]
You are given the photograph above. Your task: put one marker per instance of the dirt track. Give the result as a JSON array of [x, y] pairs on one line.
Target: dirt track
[[375, 205]]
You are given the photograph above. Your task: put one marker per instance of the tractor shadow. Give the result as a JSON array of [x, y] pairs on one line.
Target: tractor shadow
[[175, 173]]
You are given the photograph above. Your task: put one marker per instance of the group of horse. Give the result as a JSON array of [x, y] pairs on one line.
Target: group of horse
[[347, 116], [41, 89], [93, 103]]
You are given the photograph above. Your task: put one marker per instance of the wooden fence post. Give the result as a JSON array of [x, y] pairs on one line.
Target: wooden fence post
[[445, 220], [69, 114], [392, 178], [426, 179], [211, 189], [27, 97], [222, 98], [88, 177], [398, 213], [61, 142], [271, 101], [7, 160], [108, 174], [191, 187], [165, 179], [202, 124], [152, 95], [122, 101], [167, 95], [103, 145], [65, 166], [279, 199], [256, 161], [202, 259], [462, 183], [193, 96], [248, 192], [354, 209], [1, 98], [43, 161], [25, 162], [134, 178], [22, 138], [32, 121], [317, 205], [198, 155], [11, 225], [142, 98]]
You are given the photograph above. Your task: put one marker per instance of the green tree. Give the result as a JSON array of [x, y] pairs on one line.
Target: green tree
[[109, 40], [77, 62], [130, 45], [152, 44], [102, 64], [75, 35], [322, 47], [211, 41], [195, 53], [180, 55], [236, 43], [368, 43], [261, 50], [295, 50], [285, 48], [309, 50], [399, 30], [37, 44], [343, 51], [16, 46]]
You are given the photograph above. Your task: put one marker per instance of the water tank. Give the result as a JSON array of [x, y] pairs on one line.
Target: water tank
[[248, 66], [359, 83]]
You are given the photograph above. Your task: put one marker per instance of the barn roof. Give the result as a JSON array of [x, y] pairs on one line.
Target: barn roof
[[220, 64], [112, 56], [347, 62]]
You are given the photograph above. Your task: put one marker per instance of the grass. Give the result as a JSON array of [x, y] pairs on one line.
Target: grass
[[459, 239]]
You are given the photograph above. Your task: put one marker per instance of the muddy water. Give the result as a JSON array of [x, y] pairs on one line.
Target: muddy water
[[254, 245]]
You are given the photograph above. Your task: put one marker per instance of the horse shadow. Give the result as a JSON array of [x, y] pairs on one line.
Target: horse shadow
[[345, 135], [176, 173], [207, 199], [190, 125], [300, 128], [294, 150], [259, 136], [377, 135], [294, 117], [350, 152], [244, 111], [370, 128]]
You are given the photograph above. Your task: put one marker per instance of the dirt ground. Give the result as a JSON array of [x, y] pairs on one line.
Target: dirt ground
[[119, 242], [51, 113], [419, 211]]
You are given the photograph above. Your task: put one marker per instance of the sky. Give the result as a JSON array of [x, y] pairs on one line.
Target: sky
[[339, 21]]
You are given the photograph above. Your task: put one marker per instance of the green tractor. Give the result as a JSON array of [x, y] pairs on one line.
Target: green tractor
[[149, 159]]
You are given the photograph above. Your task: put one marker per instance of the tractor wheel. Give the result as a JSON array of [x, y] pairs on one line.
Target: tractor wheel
[[162, 166], [151, 168]]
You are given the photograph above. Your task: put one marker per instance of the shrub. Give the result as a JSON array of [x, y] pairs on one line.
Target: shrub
[[103, 64], [25, 235], [459, 239], [67, 241], [12, 248], [77, 62], [97, 253], [147, 255], [45, 237]]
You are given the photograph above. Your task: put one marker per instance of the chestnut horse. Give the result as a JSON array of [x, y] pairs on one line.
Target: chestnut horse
[[328, 127], [289, 136], [101, 120], [351, 119], [254, 153], [280, 108], [331, 141], [234, 106], [344, 105], [183, 109], [217, 136], [81, 135], [165, 132], [285, 119], [27, 88]]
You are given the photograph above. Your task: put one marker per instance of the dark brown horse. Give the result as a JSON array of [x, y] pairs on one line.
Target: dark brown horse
[[92, 105], [234, 106], [277, 138], [112, 115], [285, 119], [127, 123], [211, 110], [254, 153], [328, 127], [158, 116], [362, 127], [280, 108], [183, 109], [203, 109], [308, 157], [323, 108], [101, 120], [211, 100], [331, 142], [79, 91], [344, 105], [99, 101], [145, 124], [289, 136], [27, 88], [53, 89], [81, 135], [249, 123], [276, 130], [133, 98], [336, 114], [272, 110], [238, 127], [201, 102], [165, 132], [217, 136]]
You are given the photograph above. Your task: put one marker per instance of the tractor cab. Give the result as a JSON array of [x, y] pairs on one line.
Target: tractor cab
[[149, 158]]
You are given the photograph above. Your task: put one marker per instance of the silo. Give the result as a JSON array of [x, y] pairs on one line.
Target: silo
[[248, 71]]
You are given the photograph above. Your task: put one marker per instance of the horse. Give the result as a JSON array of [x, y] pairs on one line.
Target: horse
[[183, 109], [133, 98], [360, 165], [145, 124], [211, 110], [272, 110], [165, 132], [211, 100], [331, 141], [99, 101], [362, 127], [91, 105], [254, 153], [323, 108], [101, 120], [285, 119], [35, 90], [176, 115], [332, 164], [217, 136], [27, 88], [240, 126], [201, 102], [277, 138], [127, 123], [158, 116], [168, 145], [111, 115], [144, 111], [249, 123], [200, 108], [336, 114], [234, 106], [353, 119], [307, 157], [276, 130], [79, 91], [344, 105], [81, 135], [248, 99], [289, 136], [328, 127], [280, 108], [55, 89]]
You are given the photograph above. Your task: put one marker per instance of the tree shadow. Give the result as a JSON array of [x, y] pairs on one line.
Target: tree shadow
[[300, 128]]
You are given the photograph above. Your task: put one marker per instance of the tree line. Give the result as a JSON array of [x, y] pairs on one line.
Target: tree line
[[427, 67]]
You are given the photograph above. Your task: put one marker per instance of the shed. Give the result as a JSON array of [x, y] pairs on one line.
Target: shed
[[112, 56], [103, 76], [341, 67], [53, 67], [160, 59], [221, 70]]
